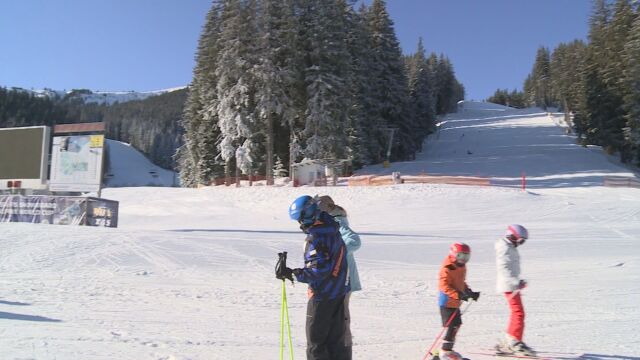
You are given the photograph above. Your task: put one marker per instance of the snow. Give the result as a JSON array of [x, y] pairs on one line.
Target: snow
[[189, 272]]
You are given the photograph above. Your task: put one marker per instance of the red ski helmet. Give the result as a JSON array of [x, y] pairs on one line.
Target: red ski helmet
[[460, 252], [517, 234]]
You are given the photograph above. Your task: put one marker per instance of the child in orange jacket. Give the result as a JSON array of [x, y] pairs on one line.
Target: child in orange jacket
[[453, 290]]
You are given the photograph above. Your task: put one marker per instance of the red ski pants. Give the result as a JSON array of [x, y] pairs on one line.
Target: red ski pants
[[516, 320]]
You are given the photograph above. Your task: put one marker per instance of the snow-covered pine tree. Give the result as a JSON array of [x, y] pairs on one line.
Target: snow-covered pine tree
[[235, 82], [279, 170], [275, 73], [197, 161], [326, 69], [364, 133]]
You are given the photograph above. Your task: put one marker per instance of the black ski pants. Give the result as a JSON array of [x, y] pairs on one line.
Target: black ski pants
[[326, 326], [456, 320]]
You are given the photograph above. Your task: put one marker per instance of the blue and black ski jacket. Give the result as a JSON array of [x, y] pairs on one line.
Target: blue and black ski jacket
[[325, 260]]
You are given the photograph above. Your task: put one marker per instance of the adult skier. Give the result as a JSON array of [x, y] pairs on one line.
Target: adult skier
[[352, 242], [325, 271], [453, 290], [510, 283]]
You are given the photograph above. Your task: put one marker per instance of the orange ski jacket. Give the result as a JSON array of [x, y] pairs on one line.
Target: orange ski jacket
[[451, 283]]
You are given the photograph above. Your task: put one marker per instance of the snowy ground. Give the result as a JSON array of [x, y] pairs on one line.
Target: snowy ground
[[189, 272]]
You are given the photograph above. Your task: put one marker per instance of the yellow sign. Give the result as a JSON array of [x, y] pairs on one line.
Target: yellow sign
[[96, 141]]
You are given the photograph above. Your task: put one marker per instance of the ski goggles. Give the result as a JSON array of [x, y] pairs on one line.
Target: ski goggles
[[516, 240], [463, 258]]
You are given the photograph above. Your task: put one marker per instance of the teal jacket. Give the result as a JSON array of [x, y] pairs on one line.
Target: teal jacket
[[352, 242]]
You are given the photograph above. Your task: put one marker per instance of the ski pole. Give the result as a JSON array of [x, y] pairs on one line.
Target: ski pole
[[284, 309], [445, 327], [285, 314]]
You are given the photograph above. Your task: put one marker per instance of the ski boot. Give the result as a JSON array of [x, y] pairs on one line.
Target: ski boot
[[514, 347], [450, 355]]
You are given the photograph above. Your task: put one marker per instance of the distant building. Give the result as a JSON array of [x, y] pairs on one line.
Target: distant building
[[309, 172], [316, 172]]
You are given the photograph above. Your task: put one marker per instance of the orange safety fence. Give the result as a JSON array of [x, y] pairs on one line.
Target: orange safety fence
[[232, 180], [618, 181], [370, 180], [373, 180]]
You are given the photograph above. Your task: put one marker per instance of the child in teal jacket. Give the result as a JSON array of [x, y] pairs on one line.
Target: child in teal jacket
[[352, 243]]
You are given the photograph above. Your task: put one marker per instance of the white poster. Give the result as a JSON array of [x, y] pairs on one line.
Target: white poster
[[76, 163]]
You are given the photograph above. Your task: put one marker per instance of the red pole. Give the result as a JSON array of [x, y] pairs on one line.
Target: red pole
[[524, 181], [446, 326]]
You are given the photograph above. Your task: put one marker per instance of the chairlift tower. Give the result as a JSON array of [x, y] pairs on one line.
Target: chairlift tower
[[392, 131]]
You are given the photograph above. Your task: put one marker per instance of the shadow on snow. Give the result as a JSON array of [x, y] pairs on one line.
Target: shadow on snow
[[23, 317]]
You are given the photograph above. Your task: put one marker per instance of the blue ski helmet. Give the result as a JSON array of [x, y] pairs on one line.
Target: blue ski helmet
[[304, 210]]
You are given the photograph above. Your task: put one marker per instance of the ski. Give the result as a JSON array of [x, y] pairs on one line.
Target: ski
[[539, 356]]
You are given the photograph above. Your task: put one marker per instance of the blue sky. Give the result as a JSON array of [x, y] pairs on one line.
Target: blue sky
[[148, 45]]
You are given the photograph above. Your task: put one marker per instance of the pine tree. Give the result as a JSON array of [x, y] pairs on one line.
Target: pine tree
[[197, 158], [500, 97], [279, 170], [565, 69], [593, 115], [617, 34], [632, 98], [390, 81], [421, 90], [275, 73], [362, 132], [235, 82], [542, 79], [326, 69]]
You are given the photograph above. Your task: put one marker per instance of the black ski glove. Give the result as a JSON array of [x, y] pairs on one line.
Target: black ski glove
[[284, 273], [470, 294], [287, 273], [522, 284], [464, 296]]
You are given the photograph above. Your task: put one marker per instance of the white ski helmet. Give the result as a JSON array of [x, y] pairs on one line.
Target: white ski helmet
[[517, 234]]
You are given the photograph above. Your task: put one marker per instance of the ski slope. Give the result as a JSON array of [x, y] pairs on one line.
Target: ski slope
[[129, 167], [189, 272]]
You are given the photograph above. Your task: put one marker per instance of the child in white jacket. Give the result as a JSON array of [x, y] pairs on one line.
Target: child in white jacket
[[510, 283]]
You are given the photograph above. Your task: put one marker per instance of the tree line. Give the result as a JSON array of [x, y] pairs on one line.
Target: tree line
[[151, 125], [597, 81], [277, 81]]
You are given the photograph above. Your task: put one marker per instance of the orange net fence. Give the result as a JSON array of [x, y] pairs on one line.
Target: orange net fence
[[373, 180]]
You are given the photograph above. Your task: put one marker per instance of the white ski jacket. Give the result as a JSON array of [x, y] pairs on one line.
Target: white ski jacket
[[507, 266]]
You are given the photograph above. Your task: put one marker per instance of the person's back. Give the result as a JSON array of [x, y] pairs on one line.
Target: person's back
[[507, 266], [350, 238]]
